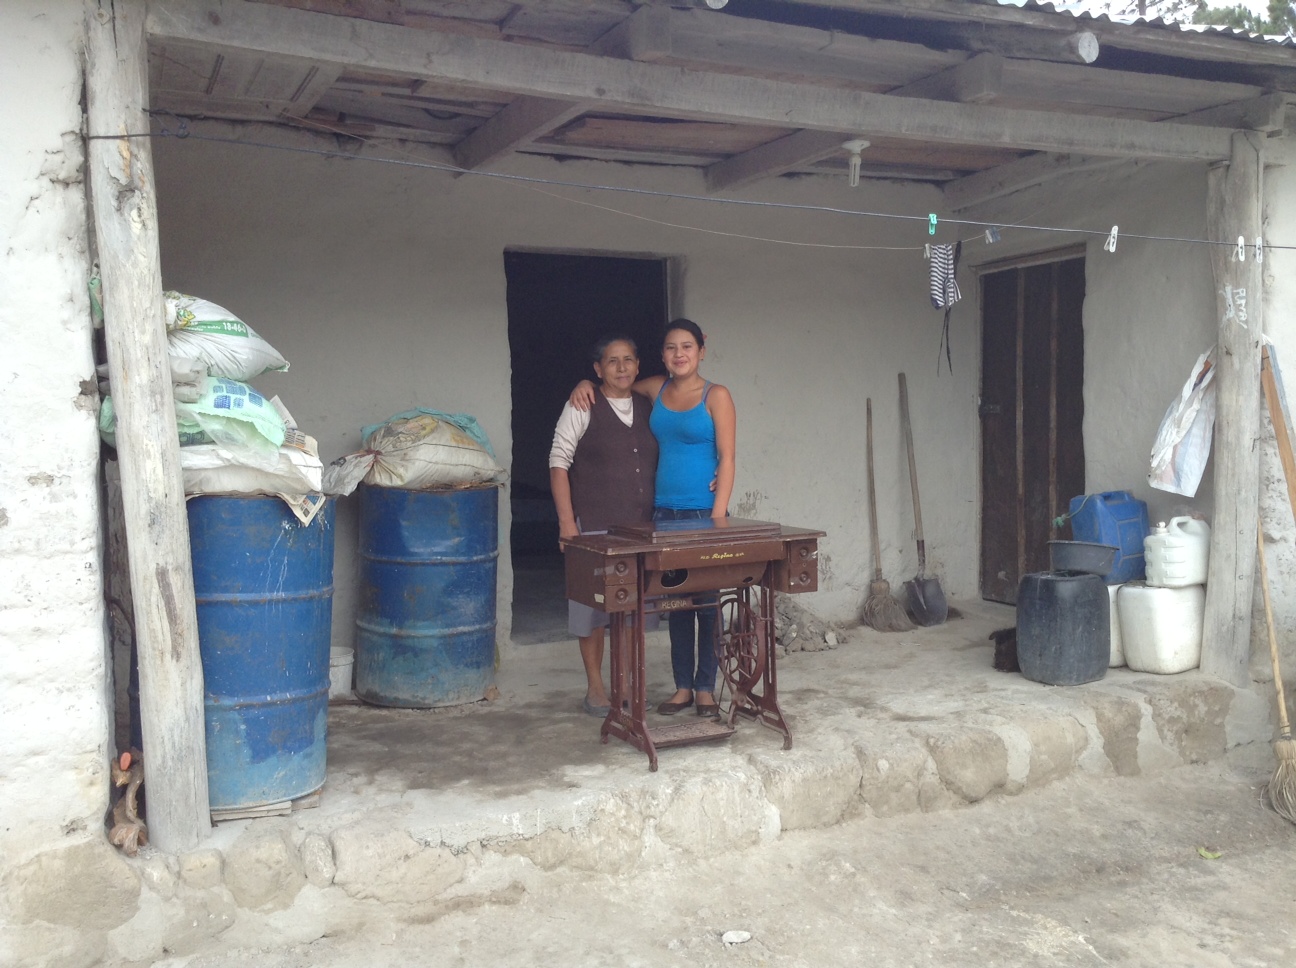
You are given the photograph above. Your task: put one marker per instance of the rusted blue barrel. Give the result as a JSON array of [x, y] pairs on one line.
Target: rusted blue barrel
[[264, 588], [425, 627]]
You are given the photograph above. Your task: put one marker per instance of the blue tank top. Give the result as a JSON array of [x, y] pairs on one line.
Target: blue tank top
[[688, 458]]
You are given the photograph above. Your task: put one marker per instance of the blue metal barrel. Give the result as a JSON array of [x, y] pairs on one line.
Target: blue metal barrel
[[264, 589], [425, 631]]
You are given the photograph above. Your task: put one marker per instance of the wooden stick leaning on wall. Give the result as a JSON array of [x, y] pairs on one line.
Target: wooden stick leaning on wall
[[1281, 789], [157, 529]]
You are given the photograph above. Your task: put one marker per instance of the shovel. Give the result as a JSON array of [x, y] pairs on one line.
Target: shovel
[[926, 599]]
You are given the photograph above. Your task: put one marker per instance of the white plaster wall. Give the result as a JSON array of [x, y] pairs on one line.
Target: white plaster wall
[[1149, 308], [1149, 312], [384, 286], [54, 713]]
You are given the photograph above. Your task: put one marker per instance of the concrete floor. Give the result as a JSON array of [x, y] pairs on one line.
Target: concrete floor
[[421, 806], [882, 724]]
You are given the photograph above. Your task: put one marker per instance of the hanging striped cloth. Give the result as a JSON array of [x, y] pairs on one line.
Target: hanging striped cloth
[[945, 290]]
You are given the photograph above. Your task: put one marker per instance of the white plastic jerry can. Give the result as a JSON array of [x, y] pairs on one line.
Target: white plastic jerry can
[[1176, 554], [1161, 628], [1117, 651]]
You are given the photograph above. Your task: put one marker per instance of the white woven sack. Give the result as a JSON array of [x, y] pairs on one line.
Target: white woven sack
[[223, 343], [210, 469], [423, 451]]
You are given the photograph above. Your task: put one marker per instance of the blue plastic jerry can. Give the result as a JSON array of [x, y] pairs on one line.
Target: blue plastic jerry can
[[1113, 518]]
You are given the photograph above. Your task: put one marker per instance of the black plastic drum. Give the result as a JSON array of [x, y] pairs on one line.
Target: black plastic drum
[[1063, 627]]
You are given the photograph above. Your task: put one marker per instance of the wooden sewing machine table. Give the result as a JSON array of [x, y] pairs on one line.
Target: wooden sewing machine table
[[650, 569]]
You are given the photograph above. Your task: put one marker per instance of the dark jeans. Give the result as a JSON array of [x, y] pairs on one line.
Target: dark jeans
[[683, 625]]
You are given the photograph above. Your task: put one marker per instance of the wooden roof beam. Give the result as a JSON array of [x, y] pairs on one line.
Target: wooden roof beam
[[975, 81], [707, 41], [964, 193], [670, 91], [773, 159], [1267, 114], [516, 125], [695, 38]]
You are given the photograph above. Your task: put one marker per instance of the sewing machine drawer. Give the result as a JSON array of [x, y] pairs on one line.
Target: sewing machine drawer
[[607, 582], [798, 571]]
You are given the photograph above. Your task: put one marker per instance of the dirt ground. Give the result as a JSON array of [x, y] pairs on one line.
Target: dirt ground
[[1087, 871]]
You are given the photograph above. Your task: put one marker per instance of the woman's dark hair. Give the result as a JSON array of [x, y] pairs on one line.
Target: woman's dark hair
[[690, 326], [605, 341]]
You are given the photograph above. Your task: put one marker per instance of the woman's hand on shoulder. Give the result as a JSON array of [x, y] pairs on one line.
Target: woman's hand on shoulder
[[582, 398]]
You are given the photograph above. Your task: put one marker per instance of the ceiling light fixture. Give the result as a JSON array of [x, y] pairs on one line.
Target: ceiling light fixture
[[855, 147]]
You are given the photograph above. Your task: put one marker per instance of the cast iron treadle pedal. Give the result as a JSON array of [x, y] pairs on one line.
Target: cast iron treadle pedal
[[681, 734]]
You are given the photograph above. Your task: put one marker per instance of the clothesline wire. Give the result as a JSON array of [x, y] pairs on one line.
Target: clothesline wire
[[184, 134]]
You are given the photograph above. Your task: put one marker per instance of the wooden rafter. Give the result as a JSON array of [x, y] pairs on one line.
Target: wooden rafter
[[234, 25]]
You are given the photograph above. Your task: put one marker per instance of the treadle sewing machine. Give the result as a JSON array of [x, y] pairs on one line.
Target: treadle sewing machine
[[646, 569]]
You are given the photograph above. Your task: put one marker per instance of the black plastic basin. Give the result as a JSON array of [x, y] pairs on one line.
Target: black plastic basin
[[1084, 556]]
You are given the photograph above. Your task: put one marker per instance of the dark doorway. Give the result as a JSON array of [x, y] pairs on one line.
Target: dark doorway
[[1032, 415], [558, 307]]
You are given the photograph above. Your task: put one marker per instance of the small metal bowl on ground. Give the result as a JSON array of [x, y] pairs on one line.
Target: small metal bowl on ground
[[1083, 556]]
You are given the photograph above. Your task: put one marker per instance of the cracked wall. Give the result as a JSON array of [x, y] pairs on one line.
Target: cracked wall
[[54, 709]]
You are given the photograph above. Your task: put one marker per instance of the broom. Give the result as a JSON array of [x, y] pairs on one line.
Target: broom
[[1282, 785], [881, 611], [1281, 789]]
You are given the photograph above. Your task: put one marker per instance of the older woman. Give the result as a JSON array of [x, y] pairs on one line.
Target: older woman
[[695, 424], [602, 468]]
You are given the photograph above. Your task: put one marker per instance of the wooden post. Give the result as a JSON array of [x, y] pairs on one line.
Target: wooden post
[[157, 530], [1233, 210]]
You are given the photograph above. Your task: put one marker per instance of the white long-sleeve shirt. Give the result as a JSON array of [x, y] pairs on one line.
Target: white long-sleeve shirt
[[573, 423]]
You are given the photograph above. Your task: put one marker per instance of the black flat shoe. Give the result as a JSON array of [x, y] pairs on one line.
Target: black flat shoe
[[671, 708], [705, 711]]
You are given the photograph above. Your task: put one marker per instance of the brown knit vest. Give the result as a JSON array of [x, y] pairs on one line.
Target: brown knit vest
[[615, 468]]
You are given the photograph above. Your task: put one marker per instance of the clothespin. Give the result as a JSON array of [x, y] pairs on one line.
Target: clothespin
[[991, 235], [1240, 254], [927, 252], [1259, 249], [1110, 244], [931, 224]]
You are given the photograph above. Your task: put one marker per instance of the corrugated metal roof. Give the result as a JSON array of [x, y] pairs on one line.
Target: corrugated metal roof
[[1284, 40]]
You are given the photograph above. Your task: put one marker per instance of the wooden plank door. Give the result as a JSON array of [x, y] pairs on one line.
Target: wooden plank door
[[1032, 414]]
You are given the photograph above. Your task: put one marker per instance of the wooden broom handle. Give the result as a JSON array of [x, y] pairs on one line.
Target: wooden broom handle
[[913, 475], [1283, 437], [1281, 431], [877, 543], [1283, 726]]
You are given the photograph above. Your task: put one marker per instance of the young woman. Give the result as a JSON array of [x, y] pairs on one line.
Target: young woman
[[602, 468], [695, 424]]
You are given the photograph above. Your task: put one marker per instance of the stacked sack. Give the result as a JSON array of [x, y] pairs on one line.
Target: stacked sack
[[232, 439], [418, 450]]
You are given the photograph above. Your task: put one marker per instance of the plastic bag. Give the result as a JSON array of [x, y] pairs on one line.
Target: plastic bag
[[295, 480], [227, 413], [234, 416], [1183, 440], [223, 343], [418, 449]]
